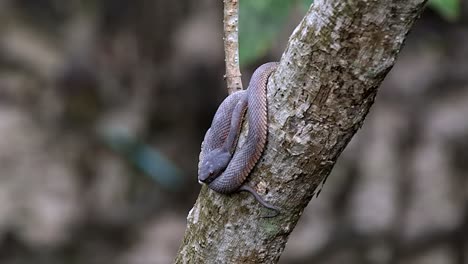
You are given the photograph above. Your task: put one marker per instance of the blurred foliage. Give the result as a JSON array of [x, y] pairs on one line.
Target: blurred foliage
[[306, 4], [259, 23], [144, 157], [261, 20], [448, 9]]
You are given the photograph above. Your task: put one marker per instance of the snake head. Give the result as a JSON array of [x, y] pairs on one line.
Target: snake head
[[214, 163]]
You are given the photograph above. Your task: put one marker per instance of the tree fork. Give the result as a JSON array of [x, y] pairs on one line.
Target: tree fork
[[326, 82]]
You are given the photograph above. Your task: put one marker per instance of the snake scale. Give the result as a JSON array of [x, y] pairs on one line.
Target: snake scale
[[223, 168]]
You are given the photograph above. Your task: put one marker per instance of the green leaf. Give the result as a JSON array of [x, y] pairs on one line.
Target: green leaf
[[448, 9], [259, 23]]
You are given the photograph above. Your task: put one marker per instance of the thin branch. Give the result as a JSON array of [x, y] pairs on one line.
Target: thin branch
[[231, 46]]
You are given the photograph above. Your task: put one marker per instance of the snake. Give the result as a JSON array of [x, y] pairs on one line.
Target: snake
[[224, 166]]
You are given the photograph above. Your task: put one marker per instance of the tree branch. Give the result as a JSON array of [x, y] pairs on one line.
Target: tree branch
[[318, 98], [231, 46]]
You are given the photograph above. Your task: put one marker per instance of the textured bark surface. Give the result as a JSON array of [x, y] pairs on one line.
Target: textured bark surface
[[318, 98], [231, 45]]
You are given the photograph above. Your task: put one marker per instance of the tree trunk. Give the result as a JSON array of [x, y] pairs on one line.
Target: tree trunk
[[318, 98]]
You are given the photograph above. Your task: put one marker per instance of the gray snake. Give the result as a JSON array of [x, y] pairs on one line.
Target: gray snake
[[223, 168]]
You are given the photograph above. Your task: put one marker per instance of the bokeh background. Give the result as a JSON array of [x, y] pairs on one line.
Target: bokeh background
[[104, 103]]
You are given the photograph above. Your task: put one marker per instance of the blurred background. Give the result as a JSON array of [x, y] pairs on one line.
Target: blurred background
[[104, 103]]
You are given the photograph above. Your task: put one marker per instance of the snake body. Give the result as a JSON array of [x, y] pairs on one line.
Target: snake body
[[223, 168]]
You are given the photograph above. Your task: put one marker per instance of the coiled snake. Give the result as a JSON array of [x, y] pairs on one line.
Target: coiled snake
[[223, 168]]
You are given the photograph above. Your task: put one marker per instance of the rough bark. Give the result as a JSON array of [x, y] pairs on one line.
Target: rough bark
[[318, 98]]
